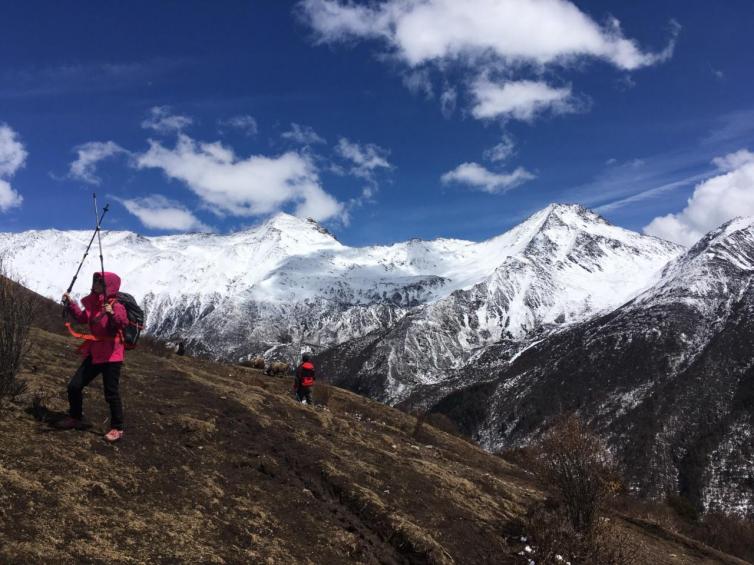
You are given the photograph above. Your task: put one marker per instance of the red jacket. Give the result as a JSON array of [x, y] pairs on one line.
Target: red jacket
[[102, 325], [304, 375]]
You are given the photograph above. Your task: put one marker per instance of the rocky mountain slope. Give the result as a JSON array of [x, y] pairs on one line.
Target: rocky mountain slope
[[668, 378], [289, 284], [220, 465], [567, 265]]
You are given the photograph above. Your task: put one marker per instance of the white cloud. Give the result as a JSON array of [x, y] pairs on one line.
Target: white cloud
[[419, 82], [12, 157], [9, 198], [303, 135], [448, 100], [521, 100], [12, 152], [159, 213], [512, 31], [714, 202], [365, 158], [252, 186], [478, 177], [733, 161], [162, 120], [501, 151], [84, 168], [245, 123], [479, 36]]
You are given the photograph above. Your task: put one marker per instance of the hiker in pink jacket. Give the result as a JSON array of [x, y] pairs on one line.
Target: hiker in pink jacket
[[103, 351]]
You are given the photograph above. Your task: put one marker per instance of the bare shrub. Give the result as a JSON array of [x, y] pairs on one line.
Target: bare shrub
[[254, 363], [421, 417], [279, 368], [555, 540], [578, 466], [683, 507], [443, 423], [727, 533], [323, 393], [38, 405], [17, 311]]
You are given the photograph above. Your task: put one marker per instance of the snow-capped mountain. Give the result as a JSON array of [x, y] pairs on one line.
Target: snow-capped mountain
[[667, 377], [563, 265], [289, 283], [564, 312]]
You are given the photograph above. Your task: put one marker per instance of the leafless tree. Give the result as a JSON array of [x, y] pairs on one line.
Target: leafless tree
[[17, 310]]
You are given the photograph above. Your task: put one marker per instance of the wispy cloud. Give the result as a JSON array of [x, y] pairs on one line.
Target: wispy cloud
[[364, 158], [244, 123], [520, 100], [303, 135], [478, 177], [620, 185], [502, 151], [84, 168], [13, 156], [85, 77], [159, 213], [161, 119]]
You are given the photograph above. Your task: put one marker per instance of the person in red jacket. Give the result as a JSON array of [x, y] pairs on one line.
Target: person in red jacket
[[103, 351], [304, 380]]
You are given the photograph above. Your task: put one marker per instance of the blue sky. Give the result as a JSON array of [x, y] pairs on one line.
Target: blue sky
[[386, 120]]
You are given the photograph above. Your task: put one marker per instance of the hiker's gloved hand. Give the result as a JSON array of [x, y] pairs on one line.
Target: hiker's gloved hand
[[109, 308], [66, 298]]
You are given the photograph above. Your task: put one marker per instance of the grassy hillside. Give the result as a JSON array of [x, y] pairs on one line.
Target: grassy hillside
[[221, 465]]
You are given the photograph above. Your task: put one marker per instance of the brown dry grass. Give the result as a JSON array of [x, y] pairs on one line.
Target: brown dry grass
[[221, 465]]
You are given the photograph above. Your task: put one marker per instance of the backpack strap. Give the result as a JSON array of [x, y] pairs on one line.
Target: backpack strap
[[87, 338]]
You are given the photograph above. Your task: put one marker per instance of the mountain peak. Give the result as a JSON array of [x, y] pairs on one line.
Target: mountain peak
[[573, 214], [288, 222]]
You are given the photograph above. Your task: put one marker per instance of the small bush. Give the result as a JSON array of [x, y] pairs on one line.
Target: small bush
[[578, 466], [322, 393], [255, 363], [421, 417], [555, 541], [17, 311], [730, 534], [279, 368], [38, 406], [683, 507], [443, 423]]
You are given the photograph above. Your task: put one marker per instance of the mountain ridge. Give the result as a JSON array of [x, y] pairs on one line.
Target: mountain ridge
[[272, 274]]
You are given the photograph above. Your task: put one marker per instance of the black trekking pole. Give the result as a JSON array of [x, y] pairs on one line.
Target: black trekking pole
[[86, 252], [99, 240]]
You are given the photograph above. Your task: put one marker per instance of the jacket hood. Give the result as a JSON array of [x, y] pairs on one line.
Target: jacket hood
[[112, 282]]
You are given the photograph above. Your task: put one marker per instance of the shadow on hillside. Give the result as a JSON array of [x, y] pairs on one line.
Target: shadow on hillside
[[52, 418]]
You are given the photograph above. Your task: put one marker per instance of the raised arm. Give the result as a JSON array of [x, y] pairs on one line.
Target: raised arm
[[81, 316]]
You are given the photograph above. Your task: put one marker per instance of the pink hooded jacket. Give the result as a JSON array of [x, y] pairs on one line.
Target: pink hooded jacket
[[102, 325]]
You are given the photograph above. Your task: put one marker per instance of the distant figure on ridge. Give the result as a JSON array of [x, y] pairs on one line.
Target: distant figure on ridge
[[103, 351], [304, 381], [181, 349]]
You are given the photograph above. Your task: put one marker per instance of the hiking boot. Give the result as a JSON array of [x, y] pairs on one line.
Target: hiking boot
[[114, 435], [69, 423]]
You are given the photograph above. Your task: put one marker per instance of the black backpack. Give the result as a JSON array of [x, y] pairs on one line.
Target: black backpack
[[135, 320]]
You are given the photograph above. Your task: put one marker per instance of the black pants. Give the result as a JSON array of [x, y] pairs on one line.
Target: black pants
[[110, 378], [304, 392]]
